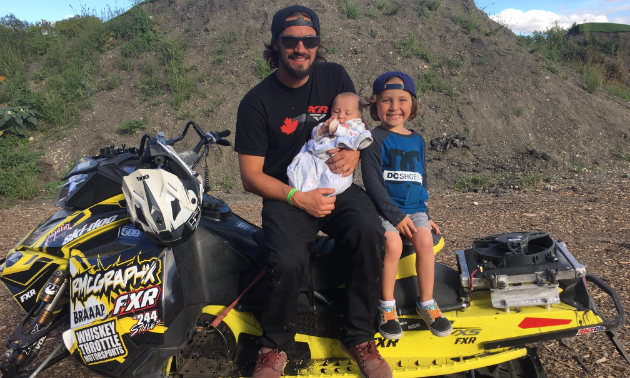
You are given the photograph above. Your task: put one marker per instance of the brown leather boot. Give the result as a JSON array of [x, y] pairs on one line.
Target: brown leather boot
[[269, 363], [370, 361]]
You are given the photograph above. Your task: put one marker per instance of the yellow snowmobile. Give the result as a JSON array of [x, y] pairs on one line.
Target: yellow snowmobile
[[132, 307]]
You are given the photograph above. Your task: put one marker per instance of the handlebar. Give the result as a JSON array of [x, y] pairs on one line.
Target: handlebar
[[204, 138]]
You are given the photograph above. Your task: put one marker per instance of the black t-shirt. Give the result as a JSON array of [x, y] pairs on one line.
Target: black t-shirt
[[274, 121]]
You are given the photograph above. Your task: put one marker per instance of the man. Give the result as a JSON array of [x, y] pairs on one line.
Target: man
[[274, 120]]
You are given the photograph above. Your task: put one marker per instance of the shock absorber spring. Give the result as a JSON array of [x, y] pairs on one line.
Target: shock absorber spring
[[206, 178], [49, 298]]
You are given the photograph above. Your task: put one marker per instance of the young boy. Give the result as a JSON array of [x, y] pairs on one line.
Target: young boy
[[394, 175], [345, 129]]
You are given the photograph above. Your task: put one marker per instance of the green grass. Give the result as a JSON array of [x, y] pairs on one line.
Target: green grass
[[620, 153], [531, 180], [114, 81], [131, 126], [352, 11], [606, 27], [229, 37], [333, 50], [395, 9], [67, 60], [150, 83], [18, 169], [551, 68], [592, 79], [226, 183], [262, 69], [180, 79], [430, 80], [619, 91], [372, 13], [380, 5], [425, 6], [156, 103], [466, 184], [374, 33], [411, 47]]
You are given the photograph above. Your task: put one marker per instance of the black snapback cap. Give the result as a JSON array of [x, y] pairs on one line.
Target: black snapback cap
[[279, 22]]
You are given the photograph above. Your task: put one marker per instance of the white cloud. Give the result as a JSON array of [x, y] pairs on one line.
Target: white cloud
[[527, 22], [69, 16]]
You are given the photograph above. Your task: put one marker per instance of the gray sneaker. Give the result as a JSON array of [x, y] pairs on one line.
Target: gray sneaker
[[438, 324], [388, 325]]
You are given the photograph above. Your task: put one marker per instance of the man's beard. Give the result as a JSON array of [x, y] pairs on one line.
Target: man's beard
[[298, 74]]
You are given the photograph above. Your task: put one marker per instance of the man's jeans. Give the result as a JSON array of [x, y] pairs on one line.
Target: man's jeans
[[356, 227]]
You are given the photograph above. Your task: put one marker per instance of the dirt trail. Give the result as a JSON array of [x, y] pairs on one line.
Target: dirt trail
[[593, 217]]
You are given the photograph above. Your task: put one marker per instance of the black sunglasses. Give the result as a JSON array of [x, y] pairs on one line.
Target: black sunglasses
[[291, 42]]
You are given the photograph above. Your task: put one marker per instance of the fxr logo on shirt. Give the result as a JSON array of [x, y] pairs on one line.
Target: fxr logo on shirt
[[317, 112]]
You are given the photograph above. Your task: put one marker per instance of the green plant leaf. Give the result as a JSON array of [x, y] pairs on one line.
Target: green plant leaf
[[2, 122], [7, 117], [19, 121], [32, 120]]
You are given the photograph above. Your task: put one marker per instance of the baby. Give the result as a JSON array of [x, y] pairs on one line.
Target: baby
[[344, 129]]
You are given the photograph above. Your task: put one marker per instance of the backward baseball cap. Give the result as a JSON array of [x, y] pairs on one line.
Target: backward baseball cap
[[279, 22]]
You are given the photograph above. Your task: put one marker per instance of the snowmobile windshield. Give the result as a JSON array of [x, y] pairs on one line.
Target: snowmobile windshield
[[68, 187], [83, 165]]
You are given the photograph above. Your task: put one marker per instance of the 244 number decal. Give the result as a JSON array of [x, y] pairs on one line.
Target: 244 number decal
[[146, 321]]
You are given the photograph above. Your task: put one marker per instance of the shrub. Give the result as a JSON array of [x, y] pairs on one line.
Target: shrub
[[16, 120], [413, 47], [466, 184], [131, 126], [619, 91], [592, 79], [18, 169], [114, 81], [352, 11], [262, 68]]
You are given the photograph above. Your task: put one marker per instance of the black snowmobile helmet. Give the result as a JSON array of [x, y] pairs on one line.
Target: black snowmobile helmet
[[279, 22]]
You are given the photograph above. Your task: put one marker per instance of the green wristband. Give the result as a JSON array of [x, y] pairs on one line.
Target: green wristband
[[291, 195]]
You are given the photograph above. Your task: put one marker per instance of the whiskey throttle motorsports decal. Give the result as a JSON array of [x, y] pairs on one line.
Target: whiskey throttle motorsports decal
[[99, 343], [117, 289]]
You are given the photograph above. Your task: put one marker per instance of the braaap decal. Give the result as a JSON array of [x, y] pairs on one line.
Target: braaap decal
[[147, 321], [90, 313], [52, 237], [26, 296], [99, 343], [79, 231], [140, 299], [586, 331], [116, 279]]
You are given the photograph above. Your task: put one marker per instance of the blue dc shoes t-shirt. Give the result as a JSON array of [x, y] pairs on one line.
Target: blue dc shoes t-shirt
[[394, 174]]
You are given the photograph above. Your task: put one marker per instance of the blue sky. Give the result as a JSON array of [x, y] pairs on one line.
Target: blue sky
[[525, 17], [520, 16]]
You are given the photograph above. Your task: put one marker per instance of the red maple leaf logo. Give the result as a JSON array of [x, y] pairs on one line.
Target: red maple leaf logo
[[289, 126]]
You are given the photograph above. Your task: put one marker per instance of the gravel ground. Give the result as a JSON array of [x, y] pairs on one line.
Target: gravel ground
[[591, 216]]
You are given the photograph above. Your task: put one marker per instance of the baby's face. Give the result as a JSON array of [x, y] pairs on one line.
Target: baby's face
[[346, 108]]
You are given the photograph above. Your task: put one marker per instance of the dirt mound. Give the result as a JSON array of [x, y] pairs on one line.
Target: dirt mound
[[476, 81]]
